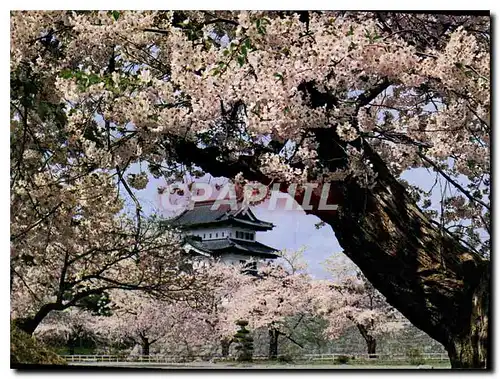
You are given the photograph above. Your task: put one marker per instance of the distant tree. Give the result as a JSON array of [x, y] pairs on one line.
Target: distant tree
[[196, 321], [269, 299], [68, 328], [346, 101], [356, 302], [135, 317], [220, 284]]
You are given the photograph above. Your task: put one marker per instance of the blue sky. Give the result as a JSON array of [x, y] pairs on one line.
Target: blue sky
[[294, 229]]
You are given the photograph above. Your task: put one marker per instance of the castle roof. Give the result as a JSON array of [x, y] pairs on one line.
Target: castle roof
[[221, 246], [208, 213]]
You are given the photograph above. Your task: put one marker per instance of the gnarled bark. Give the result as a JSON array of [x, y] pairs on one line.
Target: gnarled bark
[[432, 279], [469, 349], [424, 273]]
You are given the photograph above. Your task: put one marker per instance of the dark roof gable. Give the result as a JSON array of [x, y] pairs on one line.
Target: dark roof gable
[[225, 245], [203, 214]]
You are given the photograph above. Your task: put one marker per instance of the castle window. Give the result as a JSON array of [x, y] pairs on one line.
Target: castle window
[[216, 235], [204, 235], [210, 235], [222, 234]]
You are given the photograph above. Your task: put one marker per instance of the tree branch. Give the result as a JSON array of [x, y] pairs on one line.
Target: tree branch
[[15, 237], [453, 182]]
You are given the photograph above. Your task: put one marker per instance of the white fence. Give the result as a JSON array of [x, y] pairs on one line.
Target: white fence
[[183, 359], [364, 356], [130, 358]]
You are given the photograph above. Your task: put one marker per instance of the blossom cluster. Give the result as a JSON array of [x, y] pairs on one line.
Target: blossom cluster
[[93, 93]]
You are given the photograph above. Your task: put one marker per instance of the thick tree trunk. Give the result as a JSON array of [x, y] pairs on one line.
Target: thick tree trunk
[[439, 285], [372, 347], [145, 345], [273, 343], [469, 349], [430, 277], [29, 324], [371, 342], [225, 345]]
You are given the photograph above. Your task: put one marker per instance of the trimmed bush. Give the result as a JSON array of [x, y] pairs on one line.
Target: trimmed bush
[[244, 342], [341, 360]]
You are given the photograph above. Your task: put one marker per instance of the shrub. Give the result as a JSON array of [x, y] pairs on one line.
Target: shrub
[[25, 349], [341, 359], [244, 342], [415, 356], [285, 358]]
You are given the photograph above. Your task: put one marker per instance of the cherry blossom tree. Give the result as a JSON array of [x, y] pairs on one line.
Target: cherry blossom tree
[[349, 299], [348, 99], [269, 299], [184, 326], [67, 327], [63, 265], [135, 317], [222, 285], [72, 234]]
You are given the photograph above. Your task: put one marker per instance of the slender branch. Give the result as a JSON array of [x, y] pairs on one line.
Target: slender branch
[[138, 207], [158, 31], [221, 20], [15, 237], [290, 338], [453, 182], [63, 276], [24, 282]]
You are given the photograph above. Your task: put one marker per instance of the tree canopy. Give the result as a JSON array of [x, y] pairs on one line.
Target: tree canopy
[[352, 99]]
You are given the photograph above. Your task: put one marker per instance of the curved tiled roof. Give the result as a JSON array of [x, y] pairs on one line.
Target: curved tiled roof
[[204, 213], [220, 246]]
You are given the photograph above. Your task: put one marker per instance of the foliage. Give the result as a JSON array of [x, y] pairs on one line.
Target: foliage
[[25, 349], [341, 359], [430, 96], [268, 300], [68, 328], [244, 342], [308, 330], [358, 302], [415, 356], [284, 358]]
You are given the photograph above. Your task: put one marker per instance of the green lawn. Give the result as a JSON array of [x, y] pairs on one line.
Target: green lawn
[[386, 363]]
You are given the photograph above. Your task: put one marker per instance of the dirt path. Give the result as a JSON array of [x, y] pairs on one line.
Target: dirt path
[[250, 366]]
